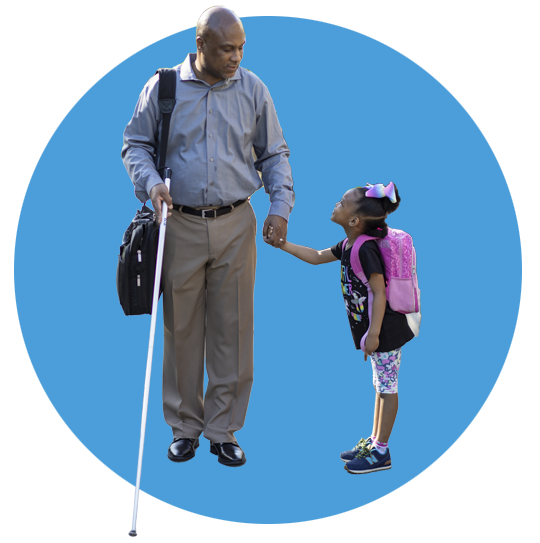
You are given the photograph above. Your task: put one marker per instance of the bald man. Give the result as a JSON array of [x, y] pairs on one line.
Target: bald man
[[224, 129]]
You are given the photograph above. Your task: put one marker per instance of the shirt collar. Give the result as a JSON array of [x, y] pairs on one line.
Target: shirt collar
[[187, 73]]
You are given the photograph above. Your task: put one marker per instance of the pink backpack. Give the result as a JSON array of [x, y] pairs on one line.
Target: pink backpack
[[399, 259]]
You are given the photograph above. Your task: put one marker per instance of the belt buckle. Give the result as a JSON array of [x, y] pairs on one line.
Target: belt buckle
[[205, 211]]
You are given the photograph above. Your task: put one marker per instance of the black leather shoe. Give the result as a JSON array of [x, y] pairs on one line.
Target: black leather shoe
[[229, 454], [182, 449]]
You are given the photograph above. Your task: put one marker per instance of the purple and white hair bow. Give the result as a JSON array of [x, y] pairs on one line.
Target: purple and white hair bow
[[380, 191]]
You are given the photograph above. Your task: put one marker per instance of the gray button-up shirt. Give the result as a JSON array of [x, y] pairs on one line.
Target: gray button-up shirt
[[212, 134]]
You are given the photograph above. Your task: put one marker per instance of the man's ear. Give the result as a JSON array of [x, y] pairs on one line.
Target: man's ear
[[200, 43]]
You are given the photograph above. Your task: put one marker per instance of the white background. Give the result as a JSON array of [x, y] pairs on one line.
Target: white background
[[531, 145]]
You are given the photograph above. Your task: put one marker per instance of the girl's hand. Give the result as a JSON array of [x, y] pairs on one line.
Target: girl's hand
[[372, 342], [268, 237]]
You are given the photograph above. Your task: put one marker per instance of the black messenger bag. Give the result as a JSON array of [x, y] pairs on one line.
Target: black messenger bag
[[136, 268]]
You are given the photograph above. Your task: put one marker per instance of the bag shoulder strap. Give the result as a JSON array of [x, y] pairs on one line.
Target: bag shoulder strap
[[355, 257], [167, 101]]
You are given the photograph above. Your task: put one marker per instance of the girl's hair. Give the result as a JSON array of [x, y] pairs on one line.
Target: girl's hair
[[374, 211]]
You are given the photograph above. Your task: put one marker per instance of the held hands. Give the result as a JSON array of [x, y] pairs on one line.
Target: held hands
[[275, 231], [372, 342], [158, 195], [269, 232]]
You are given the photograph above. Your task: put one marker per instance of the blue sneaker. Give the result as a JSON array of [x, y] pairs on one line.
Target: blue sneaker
[[368, 460], [347, 456]]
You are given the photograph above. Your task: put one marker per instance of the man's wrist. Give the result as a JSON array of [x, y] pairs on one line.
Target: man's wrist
[[281, 209], [153, 184]]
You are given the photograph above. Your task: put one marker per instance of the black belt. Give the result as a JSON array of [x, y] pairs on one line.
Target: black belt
[[208, 213]]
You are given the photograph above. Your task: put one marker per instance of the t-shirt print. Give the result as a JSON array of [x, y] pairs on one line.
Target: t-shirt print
[[355, 297], [354, 302]]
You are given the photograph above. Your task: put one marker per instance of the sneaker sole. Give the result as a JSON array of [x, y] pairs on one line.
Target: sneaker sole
[[367, 470]]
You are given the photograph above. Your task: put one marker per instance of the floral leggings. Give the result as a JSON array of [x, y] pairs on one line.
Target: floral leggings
[[385, 371]]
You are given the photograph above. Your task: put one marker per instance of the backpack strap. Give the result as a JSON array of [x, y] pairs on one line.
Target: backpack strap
[[355, 256], [166, 101], [359, 272]]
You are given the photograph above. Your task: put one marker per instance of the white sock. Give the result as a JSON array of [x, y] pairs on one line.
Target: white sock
[[380, 446]]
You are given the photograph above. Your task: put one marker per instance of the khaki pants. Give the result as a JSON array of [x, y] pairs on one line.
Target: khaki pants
[[208, 274]]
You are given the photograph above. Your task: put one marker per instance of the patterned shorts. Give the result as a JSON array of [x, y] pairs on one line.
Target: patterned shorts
[[385, 371]]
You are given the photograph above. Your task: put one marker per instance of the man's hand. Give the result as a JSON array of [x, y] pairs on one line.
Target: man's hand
[[275, 230], [372, 342], [158, 195]]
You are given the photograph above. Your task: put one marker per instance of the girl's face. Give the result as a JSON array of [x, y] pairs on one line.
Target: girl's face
[[345, 210]]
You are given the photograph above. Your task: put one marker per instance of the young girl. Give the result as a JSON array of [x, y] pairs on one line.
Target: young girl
[[363, 210]]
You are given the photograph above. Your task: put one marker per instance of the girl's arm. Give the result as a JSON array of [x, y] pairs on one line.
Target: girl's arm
[[311, 256], [378, 287]]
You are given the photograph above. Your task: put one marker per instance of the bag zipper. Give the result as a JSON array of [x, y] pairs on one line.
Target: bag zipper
[[416, 306], [401, 257]]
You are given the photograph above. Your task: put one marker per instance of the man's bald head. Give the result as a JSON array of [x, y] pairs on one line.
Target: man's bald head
[[220, 44], [215, 20]]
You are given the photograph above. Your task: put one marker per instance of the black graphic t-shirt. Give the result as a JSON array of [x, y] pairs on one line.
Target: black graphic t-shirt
[[395, 331]]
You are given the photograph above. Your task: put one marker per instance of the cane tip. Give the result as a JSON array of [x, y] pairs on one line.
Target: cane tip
[[133, 533]]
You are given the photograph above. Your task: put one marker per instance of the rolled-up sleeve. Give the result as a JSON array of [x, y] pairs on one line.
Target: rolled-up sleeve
[[140, 142], [272, 160]]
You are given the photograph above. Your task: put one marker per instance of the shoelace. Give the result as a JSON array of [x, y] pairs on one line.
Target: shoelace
[[364, 452], [360, 445]]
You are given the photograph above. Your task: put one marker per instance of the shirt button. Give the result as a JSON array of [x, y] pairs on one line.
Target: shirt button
[[212, 184], [211, 111], [211, 160], [211, 135]]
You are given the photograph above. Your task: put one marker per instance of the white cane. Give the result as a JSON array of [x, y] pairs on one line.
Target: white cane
[[157, 281]]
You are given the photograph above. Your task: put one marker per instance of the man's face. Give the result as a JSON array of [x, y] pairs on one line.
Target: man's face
[[222, 51]]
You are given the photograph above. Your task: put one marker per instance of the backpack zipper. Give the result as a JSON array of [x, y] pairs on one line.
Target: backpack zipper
[[401, 257], [415, 283]]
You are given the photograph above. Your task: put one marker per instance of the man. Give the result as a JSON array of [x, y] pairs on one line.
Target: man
[[223, 130]]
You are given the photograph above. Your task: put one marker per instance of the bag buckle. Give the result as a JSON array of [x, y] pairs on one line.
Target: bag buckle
[[205, 216]]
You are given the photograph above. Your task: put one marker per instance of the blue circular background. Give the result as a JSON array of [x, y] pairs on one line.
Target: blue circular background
[[352, 110]]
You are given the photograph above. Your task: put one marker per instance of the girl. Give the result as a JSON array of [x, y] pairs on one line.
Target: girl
[[363, 210]]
